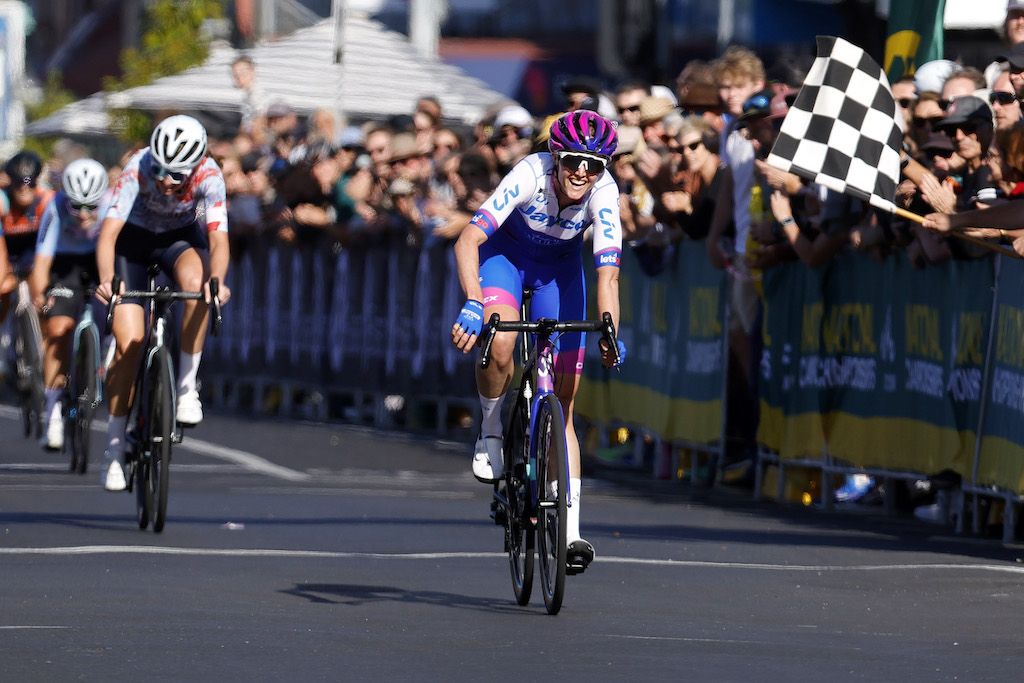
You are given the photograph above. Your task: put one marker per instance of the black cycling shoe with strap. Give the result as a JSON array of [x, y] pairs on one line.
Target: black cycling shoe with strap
[[578, 555]]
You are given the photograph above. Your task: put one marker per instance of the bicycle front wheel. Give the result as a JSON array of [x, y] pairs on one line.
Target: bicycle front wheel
[[552, 493], [519, 529], [30, 374], [83, 400], [161, 425]]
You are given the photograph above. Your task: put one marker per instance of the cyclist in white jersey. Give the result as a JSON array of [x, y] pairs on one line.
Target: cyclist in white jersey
[[169, 208], [529, 233], [64, 265]]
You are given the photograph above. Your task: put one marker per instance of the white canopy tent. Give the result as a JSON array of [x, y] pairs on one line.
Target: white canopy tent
[[380, 75]]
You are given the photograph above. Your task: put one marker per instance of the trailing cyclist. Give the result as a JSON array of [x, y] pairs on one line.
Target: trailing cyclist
[[22, 205], [64, 267], [168, 209], [529, 234]]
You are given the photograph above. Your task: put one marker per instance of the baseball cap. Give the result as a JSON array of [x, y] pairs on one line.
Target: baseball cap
[[515, 116], [278, 109], [938, 142], [1015, 5], [931, 75], [1015, 55], [966, 109]]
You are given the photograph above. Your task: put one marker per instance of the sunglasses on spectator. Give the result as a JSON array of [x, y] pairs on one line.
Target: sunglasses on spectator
[[694, 146], [177, 177], [906, 102], [1001, 97], [634, 108], [572, 161], [922, 121], [943, 153]]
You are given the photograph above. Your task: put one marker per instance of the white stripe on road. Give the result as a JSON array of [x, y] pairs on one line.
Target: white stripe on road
[[203, 468], [300, 554], [33, 628], [250, 461]]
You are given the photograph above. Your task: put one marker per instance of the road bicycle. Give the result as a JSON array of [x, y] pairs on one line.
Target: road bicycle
[[532, 497], [83, 390], [28, 363], [152, 428]]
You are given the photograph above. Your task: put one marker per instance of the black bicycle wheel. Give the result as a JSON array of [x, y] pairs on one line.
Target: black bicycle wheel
[[83, 400], [143, 493], [30, 373], [519, 529], [161, 426], [552, 463]]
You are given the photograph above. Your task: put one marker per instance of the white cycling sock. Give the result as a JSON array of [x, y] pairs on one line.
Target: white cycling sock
[[572, 521], [491, 410], [188, 368], [52, 402], [115, 435]]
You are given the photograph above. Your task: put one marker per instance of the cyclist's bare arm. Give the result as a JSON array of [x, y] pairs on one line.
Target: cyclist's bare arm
[[467, 261], [220, 256], [39, 278], [608, 302], [109, 232]]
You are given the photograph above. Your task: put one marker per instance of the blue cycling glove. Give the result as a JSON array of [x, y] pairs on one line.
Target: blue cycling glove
[[471, 317]]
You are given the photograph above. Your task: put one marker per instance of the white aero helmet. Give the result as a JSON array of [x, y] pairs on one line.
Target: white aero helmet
[[85, 181], [178, 143]]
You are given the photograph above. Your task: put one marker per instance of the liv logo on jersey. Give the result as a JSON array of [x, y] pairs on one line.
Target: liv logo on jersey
[[602, 216], [505, 196]]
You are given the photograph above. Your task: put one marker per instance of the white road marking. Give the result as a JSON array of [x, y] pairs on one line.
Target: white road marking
[[683, 639], [16, 628], [273, 552], [250, 461], [205, 468]]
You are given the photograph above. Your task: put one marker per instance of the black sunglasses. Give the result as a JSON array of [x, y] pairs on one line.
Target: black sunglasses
[[635, 107], [177, 177], [906, 102], [75, 206], [694, 146], [572, 162], [1001, 97], [922, 121]]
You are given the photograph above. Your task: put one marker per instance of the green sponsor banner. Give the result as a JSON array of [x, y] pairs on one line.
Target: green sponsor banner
[[914, 36], [880, 361], [1001, 461], [671, 383]]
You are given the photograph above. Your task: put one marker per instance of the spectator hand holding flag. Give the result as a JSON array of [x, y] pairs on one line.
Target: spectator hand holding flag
[[842, 131]]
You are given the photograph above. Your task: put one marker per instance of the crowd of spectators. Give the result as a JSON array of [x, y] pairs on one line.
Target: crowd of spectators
[[690, 164]]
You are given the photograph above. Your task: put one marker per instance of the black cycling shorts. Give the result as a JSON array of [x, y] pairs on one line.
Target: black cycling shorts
[[21, 252], [137, 249], [70, 276]]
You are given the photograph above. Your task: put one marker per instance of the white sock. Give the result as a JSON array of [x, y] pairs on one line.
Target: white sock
[[115, 436], [491, 410], [188, 368], [52, 402], [572, 521]]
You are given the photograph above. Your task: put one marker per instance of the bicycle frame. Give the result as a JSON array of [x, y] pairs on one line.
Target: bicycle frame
[[87, 325]]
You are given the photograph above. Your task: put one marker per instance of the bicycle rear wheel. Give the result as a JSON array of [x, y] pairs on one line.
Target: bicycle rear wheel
[[161, 433], [552, 494], [520, 534], [83, 400]]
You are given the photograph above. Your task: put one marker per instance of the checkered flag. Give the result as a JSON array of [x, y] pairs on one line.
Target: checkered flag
[[842, 131]]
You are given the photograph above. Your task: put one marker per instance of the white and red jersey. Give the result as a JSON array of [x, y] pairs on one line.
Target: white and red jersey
[[525, 208], [139, 201]]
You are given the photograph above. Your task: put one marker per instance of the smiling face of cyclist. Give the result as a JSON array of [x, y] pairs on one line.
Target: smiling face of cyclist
[[576, 173]]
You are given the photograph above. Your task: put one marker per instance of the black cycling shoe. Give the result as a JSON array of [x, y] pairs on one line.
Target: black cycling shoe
[[578, 556]]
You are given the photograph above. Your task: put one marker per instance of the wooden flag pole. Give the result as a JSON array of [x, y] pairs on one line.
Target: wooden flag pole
[[998, 248]]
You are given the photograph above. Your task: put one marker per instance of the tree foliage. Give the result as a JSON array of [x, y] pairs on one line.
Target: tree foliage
[[171, 42]]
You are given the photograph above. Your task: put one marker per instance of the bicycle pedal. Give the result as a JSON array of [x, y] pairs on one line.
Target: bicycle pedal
[[572, 569], [177, 436]]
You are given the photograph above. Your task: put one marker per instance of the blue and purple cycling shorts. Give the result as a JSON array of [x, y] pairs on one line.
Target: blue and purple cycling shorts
[[558, 288]]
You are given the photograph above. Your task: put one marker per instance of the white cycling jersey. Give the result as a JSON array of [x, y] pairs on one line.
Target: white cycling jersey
[[525, 208], [138, 200]]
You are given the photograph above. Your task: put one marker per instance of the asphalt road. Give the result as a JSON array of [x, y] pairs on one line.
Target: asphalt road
[[319, 552]]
